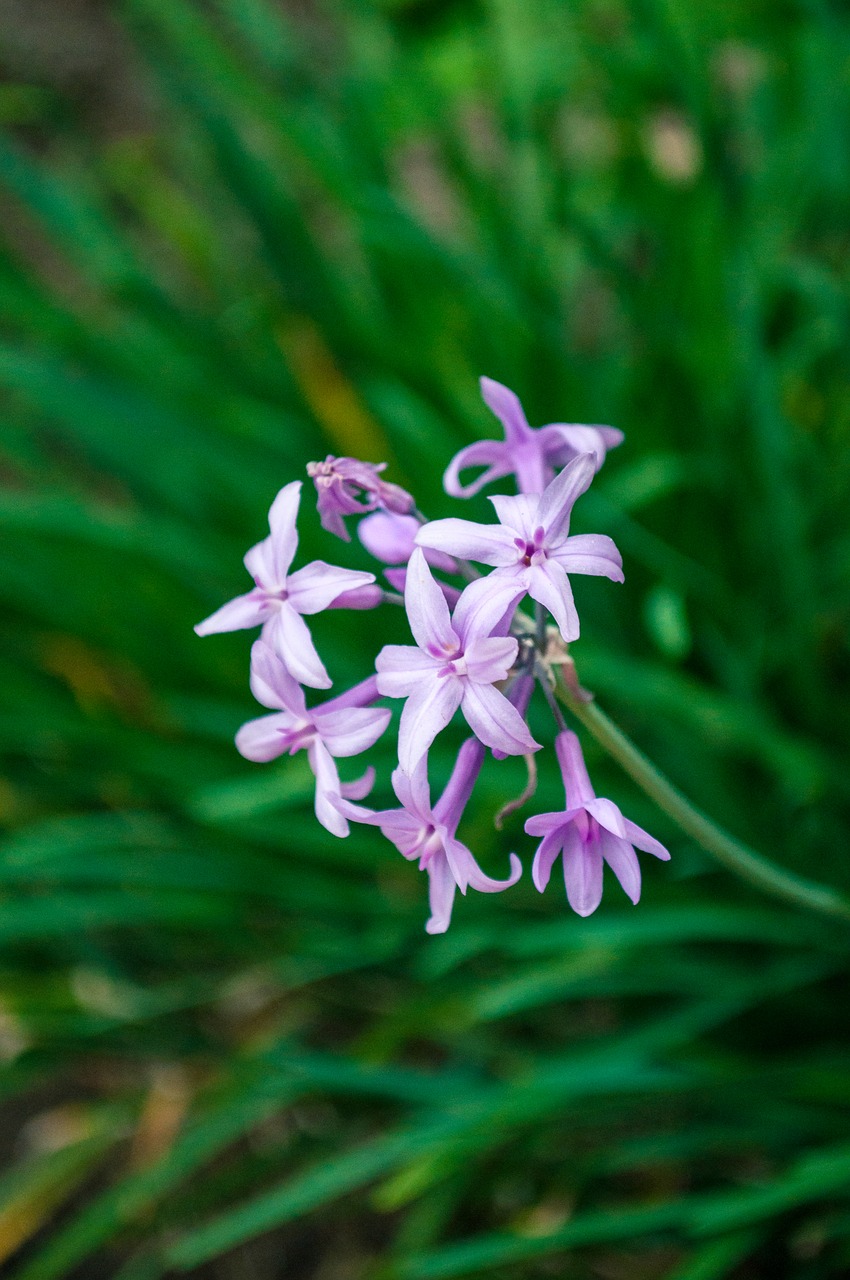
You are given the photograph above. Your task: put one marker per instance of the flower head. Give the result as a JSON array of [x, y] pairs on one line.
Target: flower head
[[421, 832], [455, 663], [531, 546], [531, 454], [589, 832], [348, 487], [344, 726], [280, 598]]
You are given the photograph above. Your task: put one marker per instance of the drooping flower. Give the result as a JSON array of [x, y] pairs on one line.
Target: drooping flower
[[348, 487], [455, 663], [532, 454], [343, 726], [279, 599], [419, 831], [588, 833], [531, 546]]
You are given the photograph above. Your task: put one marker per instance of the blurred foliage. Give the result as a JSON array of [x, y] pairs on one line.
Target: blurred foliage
[[229, 1048]]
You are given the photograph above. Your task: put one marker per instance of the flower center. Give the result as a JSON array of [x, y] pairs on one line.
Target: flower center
[[533, 551], [429, 844]]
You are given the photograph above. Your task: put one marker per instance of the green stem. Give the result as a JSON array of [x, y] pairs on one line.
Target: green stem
[[745, 862]]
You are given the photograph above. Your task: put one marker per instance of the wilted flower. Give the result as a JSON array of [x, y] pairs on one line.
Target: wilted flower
[[348, 487]]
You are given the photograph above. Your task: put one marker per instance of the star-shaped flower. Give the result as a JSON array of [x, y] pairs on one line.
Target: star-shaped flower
[[531, 547], [532, 454], [344, 726], [455, 663], [279, 598], [419, 831], [588, 833]]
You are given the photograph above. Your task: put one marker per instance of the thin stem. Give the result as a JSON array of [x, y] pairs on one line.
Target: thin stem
[[543, 680], [744, 861]]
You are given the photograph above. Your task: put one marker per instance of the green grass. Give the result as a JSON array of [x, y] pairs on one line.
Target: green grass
[[230, 1050]]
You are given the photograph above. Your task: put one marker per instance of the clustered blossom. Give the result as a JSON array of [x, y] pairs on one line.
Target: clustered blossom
[[475, 652]]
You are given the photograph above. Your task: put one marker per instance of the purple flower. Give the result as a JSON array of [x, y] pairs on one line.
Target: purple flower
[[418, 831], [456, 664], [589, 832], [344, 726], [392, 539], [533, 455], [531, 547], [348, 487], [279, 598]]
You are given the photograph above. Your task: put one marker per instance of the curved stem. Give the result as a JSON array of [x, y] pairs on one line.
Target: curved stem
[[744, 861]]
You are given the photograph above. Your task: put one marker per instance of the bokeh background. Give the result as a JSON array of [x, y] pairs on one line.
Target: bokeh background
[[240, 234]]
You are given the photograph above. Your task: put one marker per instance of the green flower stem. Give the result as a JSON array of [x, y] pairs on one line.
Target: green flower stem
[[743, 861]]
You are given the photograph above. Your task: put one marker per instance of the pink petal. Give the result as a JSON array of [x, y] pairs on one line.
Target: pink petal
[[441, 894], [291, 639], [352, 730], [549, 584], [448, 810], [271, 683], [490, 659], [564, 440], [542, 823], [263, 739], [622, 860], [487, 605], [401, 668], [475, 877], [360, 598], [313, 588], [642, 840], [413, 791], [544, 858], [577, 784], [259, 561], [243, 611], [284, 536], [518, 512], [427, 611], [507, 408], [493, 455], [358, 788], [592, 553], [582, 873], [327, 789], [608, 816], [495, 721], [486, 543], [389, 537], [426, 713], [558, 498]]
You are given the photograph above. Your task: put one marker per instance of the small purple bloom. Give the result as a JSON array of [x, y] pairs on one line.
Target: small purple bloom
[[279, 598], [589, 832], [418, 831], [455, 663], [531, 547], [531, 454], [349, 487], [344, 726]]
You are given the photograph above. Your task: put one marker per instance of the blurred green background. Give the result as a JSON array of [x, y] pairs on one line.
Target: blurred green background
[[240, 234]]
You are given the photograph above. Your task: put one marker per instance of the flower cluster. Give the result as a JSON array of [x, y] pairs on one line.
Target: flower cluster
[[475, 651]]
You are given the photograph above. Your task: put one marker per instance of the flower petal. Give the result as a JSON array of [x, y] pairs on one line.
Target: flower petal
[[542, 823], [582, 872], [441, 894], [547, 852], [593, 553], [622, 860], [475, 877], [487, 605], [360, 787], [486, 543], [548, 583], [313, 588], [495, 721], [642, 840], [427, 611], [577, 785], [565, 440], [426, 713], [413, 790], [448, 810], [493, 455], [389, 537], [284, 535], [352, 730], [490, 659], [244, 611], [557, 501], [401, 668], [272, 684], [327, 789], [608, 816], [518, 512], [506, 405], [290, 636], [263, 739]]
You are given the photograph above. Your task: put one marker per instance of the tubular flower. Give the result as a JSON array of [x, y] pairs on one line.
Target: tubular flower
[[279, 598], [419, 831], [344, 726], [531, 547], [589, 832], [349, 487], [532, 455], [455, 663]]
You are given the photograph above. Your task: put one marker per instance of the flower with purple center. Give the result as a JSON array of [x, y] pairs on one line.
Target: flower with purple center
[[531, 546], [279, 598], [588, 833], [531, 454], [419, 831], [342, 727], [349, 487], [455, 663]]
